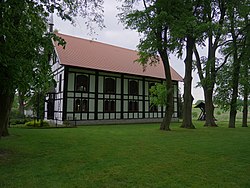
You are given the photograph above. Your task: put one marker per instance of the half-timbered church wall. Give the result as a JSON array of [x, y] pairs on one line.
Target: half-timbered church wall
[[86, 95]]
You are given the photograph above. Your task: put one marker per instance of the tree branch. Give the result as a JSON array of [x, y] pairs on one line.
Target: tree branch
[[198, 63], [224, 62]]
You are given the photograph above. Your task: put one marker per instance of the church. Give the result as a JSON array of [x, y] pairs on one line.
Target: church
[[99, 83]]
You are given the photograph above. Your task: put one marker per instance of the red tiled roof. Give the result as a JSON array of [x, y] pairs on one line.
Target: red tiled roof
[[95, 55]]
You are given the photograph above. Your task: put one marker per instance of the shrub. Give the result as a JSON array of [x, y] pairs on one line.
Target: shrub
[[37, 124], [218, 113], [18, 121]]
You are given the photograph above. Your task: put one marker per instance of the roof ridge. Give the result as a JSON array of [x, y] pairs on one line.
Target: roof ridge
[[102, 43]]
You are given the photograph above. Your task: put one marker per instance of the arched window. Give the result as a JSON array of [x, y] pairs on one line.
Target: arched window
[[82, 83], [84, 105], [81, 105], [109, 85], [133, 87], [77, 105]]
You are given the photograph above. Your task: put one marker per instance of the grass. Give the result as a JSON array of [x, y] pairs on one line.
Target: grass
[[126, 156]]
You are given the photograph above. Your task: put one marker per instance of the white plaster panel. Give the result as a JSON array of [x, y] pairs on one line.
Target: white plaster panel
[[140, 87], [118, 105], [91, 105], [78, 94], [100, 116], [118, 85], [77, 116], [71, 81], [100, 105], [112, 115], [106, 116], [92, 83], [84, 116], [118, 115], [100, 84], [125, 105], [140, 105], [125, 86], [146, 88], [175, 106], [70, 117], [70, 105], [91, 116], [70, 94]]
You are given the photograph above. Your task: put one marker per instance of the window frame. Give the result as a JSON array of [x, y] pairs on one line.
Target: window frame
[[133, 106], [133, 88], [80, 106], [110, 85], [84, 83], [109, 106]]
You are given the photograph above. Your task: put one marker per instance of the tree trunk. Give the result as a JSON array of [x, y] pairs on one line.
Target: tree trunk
[[6, 100], [188, 98], [209, 107], [235, 78], [165, 125], [245, 110]]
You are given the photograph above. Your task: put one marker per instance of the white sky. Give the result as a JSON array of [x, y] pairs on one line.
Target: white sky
[[115, 34]]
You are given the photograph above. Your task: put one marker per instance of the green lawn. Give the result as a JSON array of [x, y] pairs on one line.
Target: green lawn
[[126, 156]]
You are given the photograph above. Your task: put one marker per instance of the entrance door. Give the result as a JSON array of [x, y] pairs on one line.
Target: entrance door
[[51, 106]]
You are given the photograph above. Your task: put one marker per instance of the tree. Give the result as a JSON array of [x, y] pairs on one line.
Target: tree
[[236, 49], [212, 20], [184, 30], [158, 94], [154, 22], [23, 36], [165, 27]]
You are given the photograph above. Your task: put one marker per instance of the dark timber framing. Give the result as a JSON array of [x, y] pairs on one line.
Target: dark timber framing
[[96, 96]]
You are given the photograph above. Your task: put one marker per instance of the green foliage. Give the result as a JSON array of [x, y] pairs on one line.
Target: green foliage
[[15, 114], [157, 94], [218, 113], [19, 121], [26, 45], [37, 124], [194, 114]]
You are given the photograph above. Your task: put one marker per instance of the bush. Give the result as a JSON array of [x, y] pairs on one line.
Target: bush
[[37, 124], [18, 121], [218, 113]]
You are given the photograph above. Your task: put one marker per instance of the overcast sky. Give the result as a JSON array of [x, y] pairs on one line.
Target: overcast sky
[[115, 34]]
